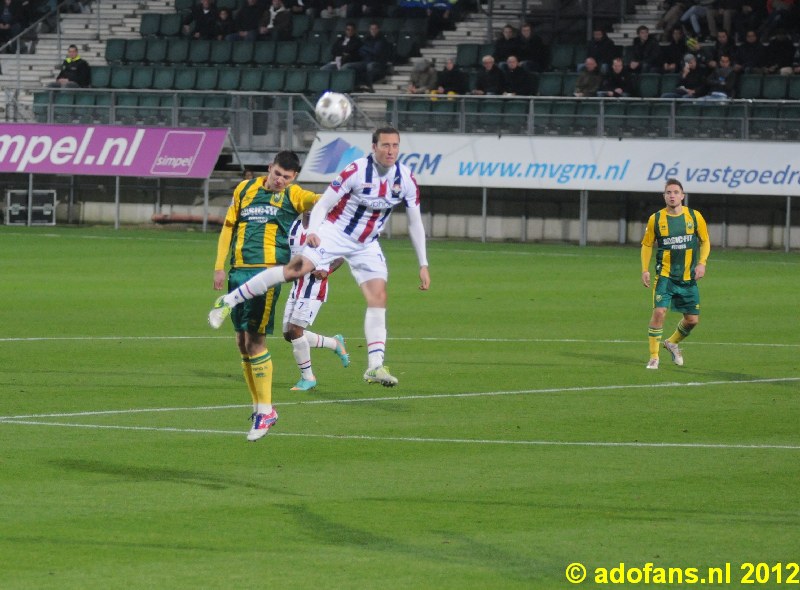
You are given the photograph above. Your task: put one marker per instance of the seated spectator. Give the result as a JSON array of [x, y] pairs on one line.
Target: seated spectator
[[505, 45], [727, 10], [602, 49], [11, 19], [696, 14], [517, 80], [376, 53], [412, 8], [672, 54], [589, 79], [201, 22], [300, 7], [780, 53], [749, 18], [371, 8], [75, 71], [673, 10], [617, 82], [440, 18], [332, 9], [276, 23], [346, 49], [490, 78], [751, 56], [723, 46], [532, 52], [722, 81], [692, 83], [224, 25], [423, 78], [246, 22], [778, 16], [451, 80], [645, 53]]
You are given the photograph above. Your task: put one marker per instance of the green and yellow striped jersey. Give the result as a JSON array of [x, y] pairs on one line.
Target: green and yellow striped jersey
[[682, 242], [256, 227]]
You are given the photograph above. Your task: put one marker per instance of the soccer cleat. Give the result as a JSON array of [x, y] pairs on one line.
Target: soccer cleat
[[341, 351], [305, 385], [218, 313], [675, 351], [380, 375], [652, 364], [261, 425]]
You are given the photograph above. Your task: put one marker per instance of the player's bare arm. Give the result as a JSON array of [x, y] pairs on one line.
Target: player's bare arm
[[219, 279], [646, 278], [424, 278]]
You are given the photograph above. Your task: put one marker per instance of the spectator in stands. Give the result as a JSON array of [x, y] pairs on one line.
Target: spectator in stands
[[451, 80], [201, 22], [332, 8], [75, 71], [346, 49], [697, 13], [751, 56], [506, 44], [617, 82], [376, 53], [602, 49], [672, 54], [11, 19], [692, 83], [517, 80], [300, 7], [370, 8], [532, 52], [224, 25], [490, 78], [588, 81], [276, 23], [778, 14], [412, 8], [780, 53], [722, 81], [440, 18], [723, 46], [673, 10], [423, 78], [725, 11], [645, 53], [750, 16], [246, 21]]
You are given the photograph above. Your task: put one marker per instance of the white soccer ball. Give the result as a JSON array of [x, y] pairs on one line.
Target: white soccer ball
[[333, 109]]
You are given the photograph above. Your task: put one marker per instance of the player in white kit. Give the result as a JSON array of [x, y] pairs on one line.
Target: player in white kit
[[346, 222], [308, 294]]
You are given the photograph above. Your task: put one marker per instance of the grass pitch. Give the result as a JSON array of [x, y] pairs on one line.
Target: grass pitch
[[525, 434]]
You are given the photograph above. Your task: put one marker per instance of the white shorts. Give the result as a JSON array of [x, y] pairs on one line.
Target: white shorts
[[300, 312], [366, 261]]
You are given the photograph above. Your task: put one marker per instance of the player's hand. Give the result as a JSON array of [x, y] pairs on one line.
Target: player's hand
[[699, 271], [312, 240], [320, 274], [424, 278], [646, 278], [219, 279]]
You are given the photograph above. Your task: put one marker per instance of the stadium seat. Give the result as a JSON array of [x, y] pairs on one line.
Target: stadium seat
[[301, 25], [221, 52], [649, 85], [264, 53], [763, 121], [126, 107], [789, 121], [115, 51], [515, 116], [251, 80], [296, 81], [444, 116], [587, 118], [467, 56], [669, 82], [216, 111], [309, 54], [242, 53], [163, 78], [774, 87], [229, 79], [491, 111], [613, 117], [121, 77], [142, 78], [135, 50], [41, 106], [688, 119], [150, 24], [637, 118], [733, 127], [190, 111], [541, 115], [101, 113], [231, 5], [156, 52], [273, 80], [185, 78], [101, 76], [318, 81], [550, 84], [562, 57], [568, 83], [184, 7], [343, 81], [286, 53], [562, 115], [177, 50], [206, 78], [750, 86], [417, 117], [199, 52], [793, 89], [658, 119], [63, 108], [171, 25]]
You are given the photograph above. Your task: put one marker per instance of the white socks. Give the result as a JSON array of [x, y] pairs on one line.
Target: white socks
[[258, 285], [375, 331], [302, 356]]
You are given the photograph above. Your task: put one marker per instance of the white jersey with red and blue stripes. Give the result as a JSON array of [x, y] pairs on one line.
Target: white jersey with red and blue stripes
[[366, 197], [308, 286]]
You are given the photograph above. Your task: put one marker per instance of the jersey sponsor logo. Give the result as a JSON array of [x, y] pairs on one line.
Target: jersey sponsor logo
[[377, 203], [259, 213]]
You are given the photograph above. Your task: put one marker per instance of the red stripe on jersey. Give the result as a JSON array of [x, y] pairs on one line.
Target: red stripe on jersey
[[337, 209], [323, 290], [416, 188], [370, 225], [384, 187], [298, 289]]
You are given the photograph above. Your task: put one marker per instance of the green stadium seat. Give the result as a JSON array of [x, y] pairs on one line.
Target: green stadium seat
[[251, 80], [774, 87], [177, 50], [613, 117], [121, 77], [286, 53], [190, 111], [491, 111], [417, 116], [296, 81], [156, 52], [63, 108], [467, 56], [444, 116], [150, 24], [142, 78], [562, 115], [206, 78], [515, 116], [733, 127], [126, 107], [562, 57], [750, 86], [41, 106], [550, 84], [688, 119], [163, 78], [199, 52], [221, 52], [568, 83], [184, 7], [101, 76], [343, 81], [587, 118], [793, 89], [319, 81], [242, 53], [310, 54], [264, 53], [101, 113], [273, 80], [229, 79], [185, 78], [789, 121], [658, 119], [649, 85], [135, 50], [171, 25], [301, 25], [763, 121], [669, 82], [115, 51], [637, 119], [541, 115]]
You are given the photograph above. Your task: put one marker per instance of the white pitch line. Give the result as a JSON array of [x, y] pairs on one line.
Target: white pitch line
[[416, 439], [402, 338], [415, 397]]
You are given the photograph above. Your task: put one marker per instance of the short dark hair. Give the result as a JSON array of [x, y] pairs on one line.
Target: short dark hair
[[75, 47], [674, 181], [387, 130], [642, 28], [288, 160]]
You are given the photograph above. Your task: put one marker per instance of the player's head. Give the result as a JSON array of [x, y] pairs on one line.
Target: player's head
[[386, 145], [673, 192], [283, 170]]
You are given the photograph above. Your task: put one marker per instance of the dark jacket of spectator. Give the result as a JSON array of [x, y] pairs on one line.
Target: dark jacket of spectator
[[751, 56], [617, 83], [517, 80], [347, 48], [532, 51], [507, 44], [452, 79], [602, 49], [490, 81], [76, 70], [204, 18]]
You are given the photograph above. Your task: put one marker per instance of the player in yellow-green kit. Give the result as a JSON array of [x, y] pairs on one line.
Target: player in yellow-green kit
[[680, 236], [254, 237]]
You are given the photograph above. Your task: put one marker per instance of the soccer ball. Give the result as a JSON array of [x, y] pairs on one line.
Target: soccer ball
[[333, 109]]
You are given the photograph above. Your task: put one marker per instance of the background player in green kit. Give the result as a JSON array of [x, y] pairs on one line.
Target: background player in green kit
[[682, 248], [255, 235]]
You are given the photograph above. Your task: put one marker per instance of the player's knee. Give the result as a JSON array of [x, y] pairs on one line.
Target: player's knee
[[691, 320]]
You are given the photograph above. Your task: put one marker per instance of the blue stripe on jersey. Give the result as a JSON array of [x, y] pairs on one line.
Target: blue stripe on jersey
[[309, 287], [356, 218], [368, 177]]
